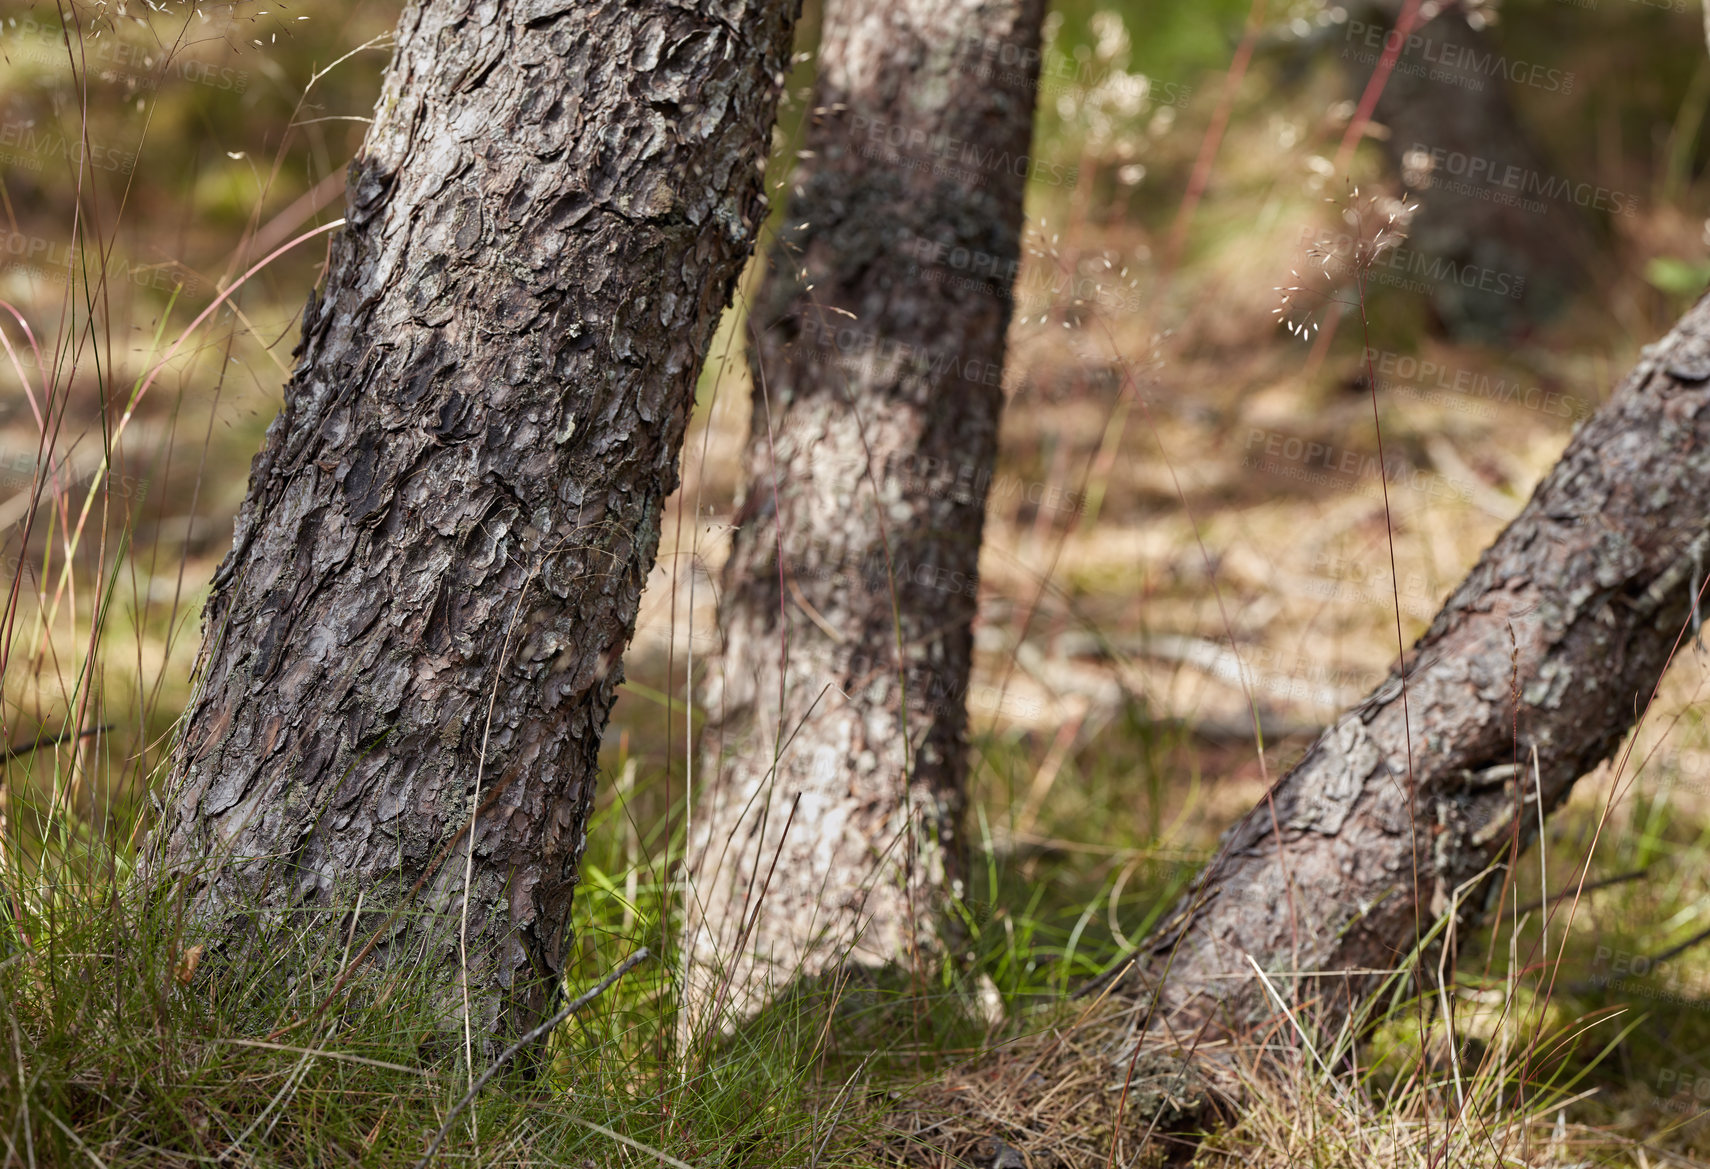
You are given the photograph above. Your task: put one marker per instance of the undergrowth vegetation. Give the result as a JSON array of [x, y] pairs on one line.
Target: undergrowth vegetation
[[1115, 724]]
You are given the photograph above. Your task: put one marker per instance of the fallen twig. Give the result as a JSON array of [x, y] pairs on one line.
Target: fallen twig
[[1589, 886], [7, 754], [510, 1052]]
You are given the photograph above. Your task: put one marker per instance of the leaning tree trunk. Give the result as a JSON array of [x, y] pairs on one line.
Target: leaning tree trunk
[[1500, 239], [829, 829], [1561, 630], [448, 526]]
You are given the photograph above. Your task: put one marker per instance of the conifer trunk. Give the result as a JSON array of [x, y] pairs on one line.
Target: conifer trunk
[[829, 826], [1553, 645], [447, 530]]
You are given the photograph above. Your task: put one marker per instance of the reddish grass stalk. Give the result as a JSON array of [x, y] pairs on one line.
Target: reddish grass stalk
[[1213, 139], [1351, 141]]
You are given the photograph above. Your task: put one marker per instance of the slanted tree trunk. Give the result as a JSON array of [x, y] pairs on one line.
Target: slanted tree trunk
[[1501, 238], [828, 829], [1575, 610], [448, 526]]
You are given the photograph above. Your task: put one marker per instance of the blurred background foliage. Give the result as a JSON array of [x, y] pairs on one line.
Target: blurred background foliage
[[152, 153]]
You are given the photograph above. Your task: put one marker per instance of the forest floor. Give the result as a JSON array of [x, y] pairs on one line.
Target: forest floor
[[1190, 566], [1189, 549], [1171, 558]]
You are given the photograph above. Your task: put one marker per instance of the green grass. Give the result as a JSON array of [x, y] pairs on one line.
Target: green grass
[[118, 1053], [115, 1051], [121, 1050]]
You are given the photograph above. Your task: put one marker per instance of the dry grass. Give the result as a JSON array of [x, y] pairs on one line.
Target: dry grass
[[1118, 640], [1067, 1096]]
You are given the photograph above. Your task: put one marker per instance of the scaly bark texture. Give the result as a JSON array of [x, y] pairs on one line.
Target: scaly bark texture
[[838, 703], [1501, 237], [1564, 625], [448, 527]]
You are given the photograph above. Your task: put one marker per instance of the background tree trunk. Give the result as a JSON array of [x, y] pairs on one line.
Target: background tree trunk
[[448, 527], [1570, 616], [838, 705], [1495, 266]]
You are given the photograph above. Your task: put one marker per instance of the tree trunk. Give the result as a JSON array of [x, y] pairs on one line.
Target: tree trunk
[[1499, 240], [1554, 643], [838, 704], [449, 524]]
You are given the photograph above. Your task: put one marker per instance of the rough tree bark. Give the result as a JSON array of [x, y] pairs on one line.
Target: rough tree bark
[[1575, 609], [1500, 238], [449, 524], [839, 700]]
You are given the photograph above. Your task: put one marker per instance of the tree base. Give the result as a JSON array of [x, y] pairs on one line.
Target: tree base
[[1062, 1098]]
